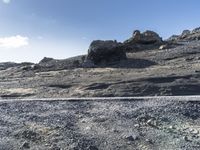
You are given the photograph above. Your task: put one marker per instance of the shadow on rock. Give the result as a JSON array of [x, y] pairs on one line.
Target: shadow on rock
[[132, 63]]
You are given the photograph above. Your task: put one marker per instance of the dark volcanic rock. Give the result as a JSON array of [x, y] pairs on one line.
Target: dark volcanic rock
[[185, 33], [187, 36], [25, 145], [50, 64], [147, 37], [105, 51], [6, 65], [143, 41], [111, 51], [173, 38], [196, 30], [46, 60]]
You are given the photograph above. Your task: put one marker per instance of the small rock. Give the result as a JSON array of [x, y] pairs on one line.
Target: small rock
[[83, 121], [55, 147], [149, 122], [131, 137], [136, 125], [195, 132], [162, 47], [87, 128], [196, 71], [92, 148], [191, 130], [114, 130], [25, 145], [149, 141], [186, 128], [185, 138]]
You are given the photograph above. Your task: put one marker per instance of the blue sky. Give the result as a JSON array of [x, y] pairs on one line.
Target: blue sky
[[33, 29]]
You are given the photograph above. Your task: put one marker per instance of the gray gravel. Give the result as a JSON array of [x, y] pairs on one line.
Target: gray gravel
[[166, 124]]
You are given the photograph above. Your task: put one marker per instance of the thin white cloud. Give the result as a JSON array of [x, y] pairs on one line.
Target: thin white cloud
[[6, 1], [14, 41], [84, 38]]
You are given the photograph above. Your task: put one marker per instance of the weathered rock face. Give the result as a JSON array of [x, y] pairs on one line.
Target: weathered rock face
[[187, 35], [173, 38], [147, 37], [105, 51], [143, 41], [196, 30], [6, 65], [49, 64], [45, 60], [137, 35], [192, 35]]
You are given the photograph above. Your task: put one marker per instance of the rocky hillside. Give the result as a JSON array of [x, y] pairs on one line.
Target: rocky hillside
[[143, 65]]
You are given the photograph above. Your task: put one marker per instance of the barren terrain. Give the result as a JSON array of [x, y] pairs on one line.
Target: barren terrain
[[147, 68], [151, 124], [172, 71]]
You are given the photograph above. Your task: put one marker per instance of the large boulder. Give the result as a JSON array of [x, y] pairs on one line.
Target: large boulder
[[105, 52], [147, 37], [143, 41]]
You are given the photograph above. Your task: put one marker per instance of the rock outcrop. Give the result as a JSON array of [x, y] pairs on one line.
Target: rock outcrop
[[196, 30], [105, 51], [50, 64], [147, 37], [6, 65], [173, 38], [143, 41], [187, 35]]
